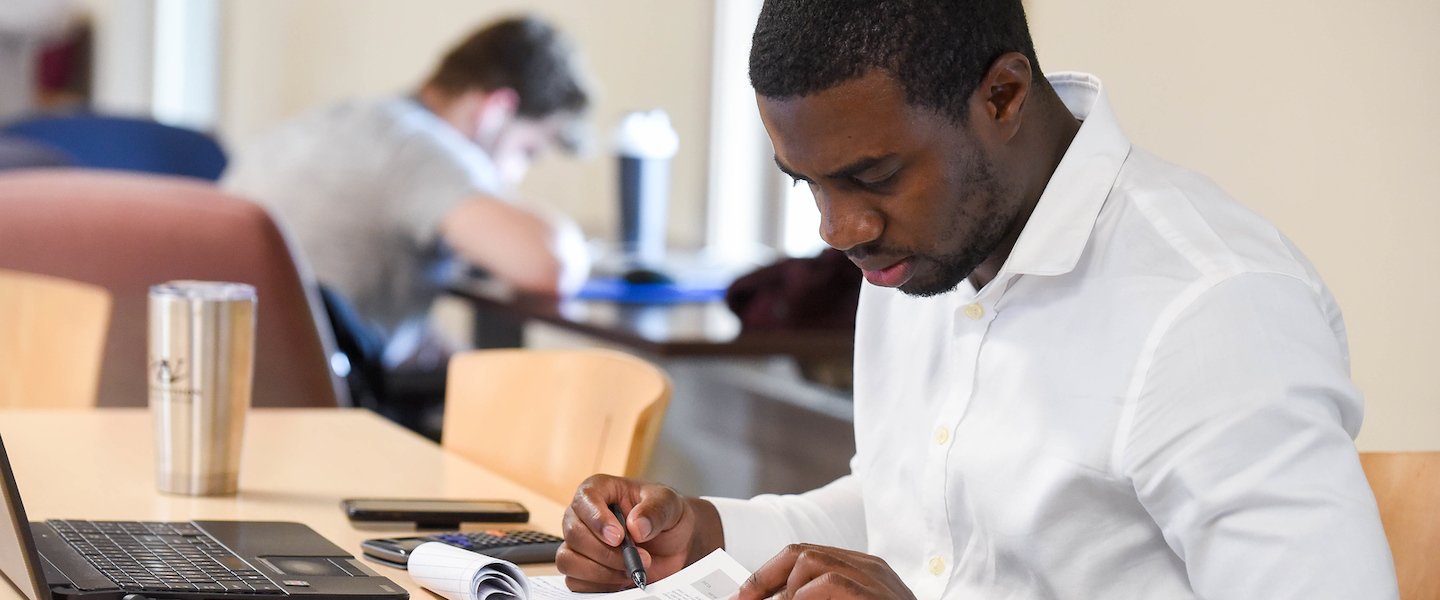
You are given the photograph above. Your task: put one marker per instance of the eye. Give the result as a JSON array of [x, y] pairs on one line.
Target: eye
[[877, 179]]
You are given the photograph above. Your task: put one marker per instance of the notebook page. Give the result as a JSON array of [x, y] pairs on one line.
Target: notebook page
[[459, 574], [552, 587], [715, 577]]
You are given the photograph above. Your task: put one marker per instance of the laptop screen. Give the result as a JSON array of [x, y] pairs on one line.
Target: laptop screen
[[18, 559]]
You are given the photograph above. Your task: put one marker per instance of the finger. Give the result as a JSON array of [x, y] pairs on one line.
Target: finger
[[815, 562], [581, 586], [591, 505], [831, 585], [770, 578], [581, 539], [581, 567], [659, 509], [582, 574]]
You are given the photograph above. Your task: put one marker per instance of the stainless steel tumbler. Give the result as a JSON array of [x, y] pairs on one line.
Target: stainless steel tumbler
[[202, 357]]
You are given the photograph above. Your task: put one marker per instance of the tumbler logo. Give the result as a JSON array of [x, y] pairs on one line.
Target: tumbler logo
[[169, 371]]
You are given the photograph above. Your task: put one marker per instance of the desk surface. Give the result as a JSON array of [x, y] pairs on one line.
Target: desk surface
[[690, 329], [297, 466]]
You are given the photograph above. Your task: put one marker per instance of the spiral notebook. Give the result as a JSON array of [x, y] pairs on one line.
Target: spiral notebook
[[458, 574]]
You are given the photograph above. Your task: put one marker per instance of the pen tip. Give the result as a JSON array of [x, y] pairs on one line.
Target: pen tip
[[639, 579]]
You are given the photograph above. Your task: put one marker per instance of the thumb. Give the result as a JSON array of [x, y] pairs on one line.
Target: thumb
[[659, 509]]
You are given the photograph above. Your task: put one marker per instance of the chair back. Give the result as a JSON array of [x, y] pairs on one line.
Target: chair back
[[52, 334], [24, 153], [551, 418], [1407, 489], [128, 231], [128, 144]]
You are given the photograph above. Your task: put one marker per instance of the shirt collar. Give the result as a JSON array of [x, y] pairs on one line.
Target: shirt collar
[[1058, 229]]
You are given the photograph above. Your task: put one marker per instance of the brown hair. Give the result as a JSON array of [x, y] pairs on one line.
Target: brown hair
[[525, 54]]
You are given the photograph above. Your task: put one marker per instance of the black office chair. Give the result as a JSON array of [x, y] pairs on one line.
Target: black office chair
[[410, 397]]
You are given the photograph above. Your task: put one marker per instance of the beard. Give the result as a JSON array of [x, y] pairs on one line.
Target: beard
[[941, 273]]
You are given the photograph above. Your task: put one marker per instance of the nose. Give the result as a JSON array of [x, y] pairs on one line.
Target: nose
[[846, 221]]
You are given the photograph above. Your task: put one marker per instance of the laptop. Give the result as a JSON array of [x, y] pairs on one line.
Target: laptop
[[196, 560]]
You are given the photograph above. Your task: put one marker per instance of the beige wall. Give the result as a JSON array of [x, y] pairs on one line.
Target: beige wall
[[1319, 115], [283, 57], [1323, 117]]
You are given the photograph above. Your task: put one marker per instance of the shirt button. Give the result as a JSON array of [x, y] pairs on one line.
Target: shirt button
[[942, 435], [937, 566], [974, 311]]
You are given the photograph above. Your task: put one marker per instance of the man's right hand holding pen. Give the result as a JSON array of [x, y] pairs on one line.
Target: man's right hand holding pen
[[673, 531], [670, 530]]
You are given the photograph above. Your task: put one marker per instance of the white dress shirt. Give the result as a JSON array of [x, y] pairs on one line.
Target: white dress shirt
[[1151, 400]]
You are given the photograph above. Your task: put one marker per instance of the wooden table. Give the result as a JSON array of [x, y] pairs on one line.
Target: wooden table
[[661, 330], [297, 466]]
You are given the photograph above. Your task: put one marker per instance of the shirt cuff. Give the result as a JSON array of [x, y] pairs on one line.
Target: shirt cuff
[[754, 532]]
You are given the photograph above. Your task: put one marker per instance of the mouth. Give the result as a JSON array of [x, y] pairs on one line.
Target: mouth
[[894, 275]]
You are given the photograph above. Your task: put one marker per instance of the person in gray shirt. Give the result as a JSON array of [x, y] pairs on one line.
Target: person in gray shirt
[[372, 189]]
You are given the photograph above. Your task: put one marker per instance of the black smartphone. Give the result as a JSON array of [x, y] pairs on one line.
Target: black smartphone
[[435, 514], [516, 546]]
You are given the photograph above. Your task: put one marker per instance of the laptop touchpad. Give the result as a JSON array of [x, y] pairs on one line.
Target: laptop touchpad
[[310, 566]]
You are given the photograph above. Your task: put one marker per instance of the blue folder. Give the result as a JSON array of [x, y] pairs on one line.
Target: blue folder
[[615, 289]]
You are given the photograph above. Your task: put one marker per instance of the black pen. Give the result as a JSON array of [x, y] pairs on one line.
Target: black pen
[[628, 550]]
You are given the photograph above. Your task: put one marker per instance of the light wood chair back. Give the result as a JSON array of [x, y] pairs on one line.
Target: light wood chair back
[[1407, 489], [548, 419], [52, 338]]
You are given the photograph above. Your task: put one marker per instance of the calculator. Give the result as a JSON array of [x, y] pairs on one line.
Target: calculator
[[519, 546]]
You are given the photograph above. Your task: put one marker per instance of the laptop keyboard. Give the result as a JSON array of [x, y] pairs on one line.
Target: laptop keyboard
[[162, 557]]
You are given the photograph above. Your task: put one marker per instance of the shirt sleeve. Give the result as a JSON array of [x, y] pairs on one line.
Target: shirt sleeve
[[1241, 447], [431, 171], [758, 528]]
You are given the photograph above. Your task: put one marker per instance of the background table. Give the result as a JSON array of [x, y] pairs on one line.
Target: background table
[[297, 466], [742, 420], [660, 330]]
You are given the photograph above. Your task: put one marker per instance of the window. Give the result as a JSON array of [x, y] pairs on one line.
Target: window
[[186, 67], [754, 211]]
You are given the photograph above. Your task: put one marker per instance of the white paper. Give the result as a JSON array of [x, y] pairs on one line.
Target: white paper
[[552, 587], [715, 577], [460, 574]]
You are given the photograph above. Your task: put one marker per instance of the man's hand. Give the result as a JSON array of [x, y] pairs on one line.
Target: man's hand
[[809, 572], [670, 530]]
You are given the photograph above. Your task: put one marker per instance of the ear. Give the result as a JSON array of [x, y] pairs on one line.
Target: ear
[[995, 108], [496, 109]]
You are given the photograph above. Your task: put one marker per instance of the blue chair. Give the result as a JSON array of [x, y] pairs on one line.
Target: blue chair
[[127, 144]]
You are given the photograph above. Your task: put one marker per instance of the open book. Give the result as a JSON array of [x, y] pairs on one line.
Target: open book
[[459, 574]]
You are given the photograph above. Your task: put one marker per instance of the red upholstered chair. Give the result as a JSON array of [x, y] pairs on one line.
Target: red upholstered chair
[[127, 231]]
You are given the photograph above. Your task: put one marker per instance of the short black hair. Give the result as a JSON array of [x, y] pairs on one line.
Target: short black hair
[[938, 50], [525, 54]]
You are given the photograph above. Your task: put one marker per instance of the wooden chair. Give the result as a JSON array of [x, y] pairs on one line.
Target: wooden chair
[[551, 418], [52, 338], [1407, 489]]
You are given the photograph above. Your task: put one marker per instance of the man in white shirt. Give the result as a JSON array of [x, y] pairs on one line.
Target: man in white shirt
[[1080, 372], [369, 187]]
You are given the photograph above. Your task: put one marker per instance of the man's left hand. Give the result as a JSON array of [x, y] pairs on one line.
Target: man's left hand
[[809, 572]]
